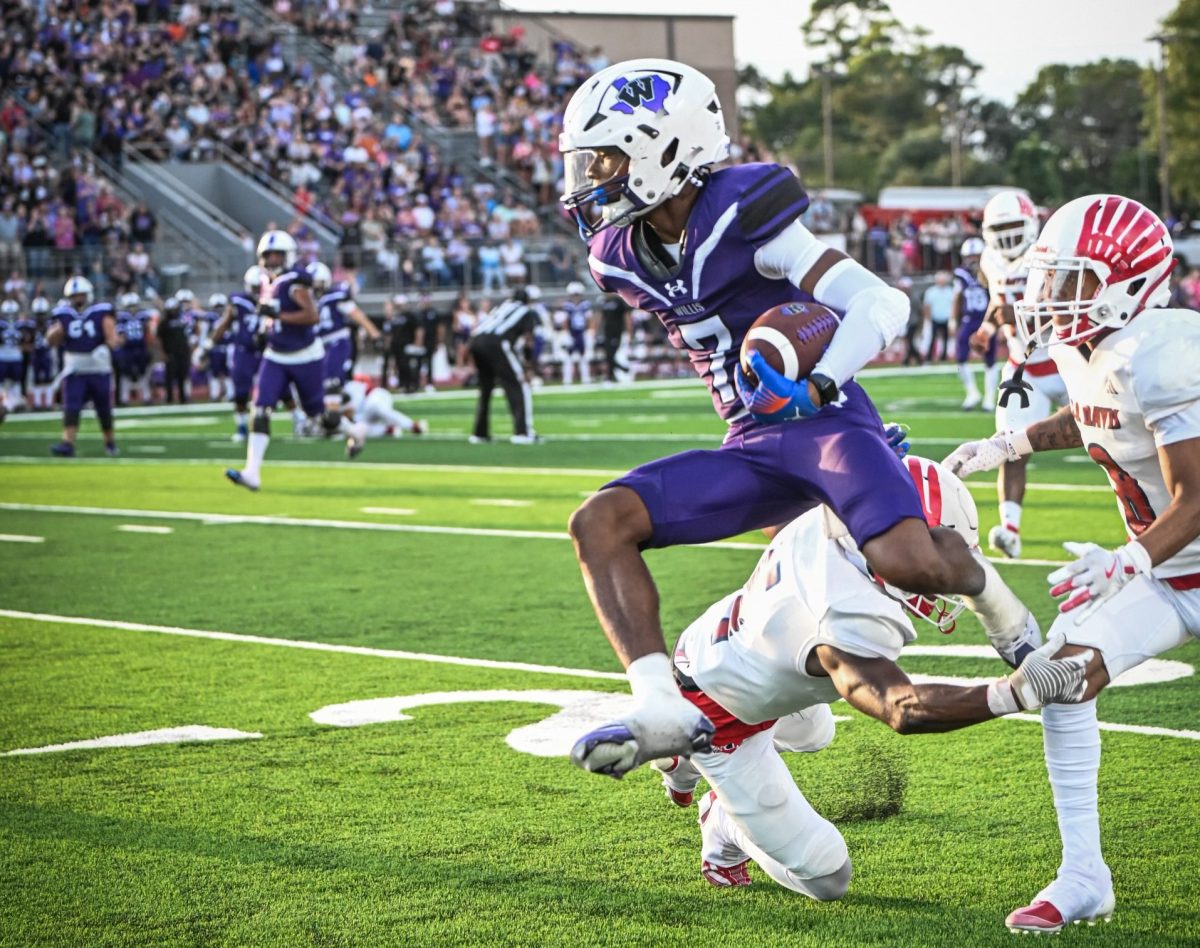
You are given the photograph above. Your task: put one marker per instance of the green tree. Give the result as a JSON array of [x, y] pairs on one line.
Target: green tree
[[1181, 34], [1090, 116]]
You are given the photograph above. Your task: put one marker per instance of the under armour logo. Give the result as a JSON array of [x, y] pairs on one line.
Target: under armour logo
[[675, 289]]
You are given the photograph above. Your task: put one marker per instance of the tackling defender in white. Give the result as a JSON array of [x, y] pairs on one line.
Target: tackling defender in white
[[1097, 279], [814, 624], [1010, 226], [370, 413]]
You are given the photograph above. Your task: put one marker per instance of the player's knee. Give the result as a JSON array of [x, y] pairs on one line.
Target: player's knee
[[919, 560], [71, 419], [105, 419], [330, 421], [612, 517], [241, 404], [262, 421], [830, 887]]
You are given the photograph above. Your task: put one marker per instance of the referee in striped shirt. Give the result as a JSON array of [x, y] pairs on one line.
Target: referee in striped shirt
[[494, 346]]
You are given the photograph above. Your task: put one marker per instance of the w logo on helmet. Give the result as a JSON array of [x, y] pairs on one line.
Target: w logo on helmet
[[649, 92]]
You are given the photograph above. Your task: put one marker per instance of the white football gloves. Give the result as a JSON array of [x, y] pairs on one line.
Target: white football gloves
[[1096, 574], [988, 454], [1041, 680]]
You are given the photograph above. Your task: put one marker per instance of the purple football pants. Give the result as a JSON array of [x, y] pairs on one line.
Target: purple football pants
[[770, 474], [274, 379], [962, 342]]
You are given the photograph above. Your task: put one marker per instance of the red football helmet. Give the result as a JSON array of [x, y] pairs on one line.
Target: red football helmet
[[1099, 261]]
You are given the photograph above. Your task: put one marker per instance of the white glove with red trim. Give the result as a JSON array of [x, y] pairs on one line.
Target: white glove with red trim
[[1097, 573], [988, 453]]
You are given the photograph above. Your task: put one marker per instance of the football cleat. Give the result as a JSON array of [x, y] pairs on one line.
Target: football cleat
[[971, 402], [649, 733], [723, 877], [679, 777], [237, 477], [111, 449], [420, 427], [479, 439], [1030, 640], [526, 439], [63, 449], [1042, 918], [240, 435], [354, 447], [1006, 539]]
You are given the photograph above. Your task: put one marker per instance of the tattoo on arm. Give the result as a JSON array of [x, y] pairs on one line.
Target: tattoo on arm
[[1056, 433]]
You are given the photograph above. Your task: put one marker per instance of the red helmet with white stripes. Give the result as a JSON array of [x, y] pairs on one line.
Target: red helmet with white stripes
[[1100, 260], [946, 502]]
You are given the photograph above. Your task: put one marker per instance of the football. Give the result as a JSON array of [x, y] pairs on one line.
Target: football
[[791, 337]]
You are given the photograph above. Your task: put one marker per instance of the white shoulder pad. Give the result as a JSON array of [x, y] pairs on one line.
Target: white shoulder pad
[[1165, 366]]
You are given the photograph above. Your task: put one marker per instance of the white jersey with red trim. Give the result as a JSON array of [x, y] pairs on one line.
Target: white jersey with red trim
[[1138, 391], [748, 651], [1006, 283]]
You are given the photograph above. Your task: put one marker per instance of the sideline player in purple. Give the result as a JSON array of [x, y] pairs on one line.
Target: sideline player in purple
[[293, 355], [971, 303], [87, 331], [708, 250], [336, 308], [240, 314]]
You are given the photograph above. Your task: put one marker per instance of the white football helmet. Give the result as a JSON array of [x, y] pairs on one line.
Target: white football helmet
[[39, 306], [186, 299], [217, 302], [10, 308], [253, 280], [129, 301], [1124, 249], [574, 288], [277, 241], [972, 247], [946, 502], [663, 115], [321, 277], [78, 286], [1010, 224]]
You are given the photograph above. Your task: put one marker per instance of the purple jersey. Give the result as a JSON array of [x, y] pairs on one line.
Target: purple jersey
[[975, 297], [710, 298], [134, 327], [288, 337], [10, 340], [244, 327], [579, 315], [82, 332], [330, 316]]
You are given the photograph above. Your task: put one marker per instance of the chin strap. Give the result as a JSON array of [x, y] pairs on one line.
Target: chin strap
[[1017, 385]]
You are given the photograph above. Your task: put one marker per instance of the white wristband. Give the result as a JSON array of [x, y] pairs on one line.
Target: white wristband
[[1000, 698], [1018, 444], [1138, 555], [651, 674]]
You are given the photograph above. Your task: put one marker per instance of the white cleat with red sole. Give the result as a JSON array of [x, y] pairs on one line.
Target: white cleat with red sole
[[714, 842], [1042, 918], [679, 777]]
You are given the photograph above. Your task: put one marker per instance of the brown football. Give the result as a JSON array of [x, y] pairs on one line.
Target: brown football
[[792, 338]]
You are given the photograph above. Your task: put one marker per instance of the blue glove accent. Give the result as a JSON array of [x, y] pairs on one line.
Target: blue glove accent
[[776, 398], [897, 438]]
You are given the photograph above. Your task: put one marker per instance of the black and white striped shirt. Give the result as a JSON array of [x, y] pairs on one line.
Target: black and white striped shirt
[[508, 321]]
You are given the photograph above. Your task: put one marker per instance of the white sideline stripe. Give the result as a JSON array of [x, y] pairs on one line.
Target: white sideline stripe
[[144, 528], [647, 385], [20, 538], [1128, 728], [166, 735], [211, 519], [214, 462], [500, 502], [448, 469], [388, 511], [448, 659], [171, 422], [149, 449], [313, 646]]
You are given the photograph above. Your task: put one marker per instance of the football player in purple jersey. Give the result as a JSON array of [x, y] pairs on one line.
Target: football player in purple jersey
[[293, 355], [87, 331], [708, 250], [240, 317]]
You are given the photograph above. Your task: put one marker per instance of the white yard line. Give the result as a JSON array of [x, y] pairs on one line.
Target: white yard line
[[389, 511], [500, 502], [144, 528], [20, 538], [209, 519], [449, 659]]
